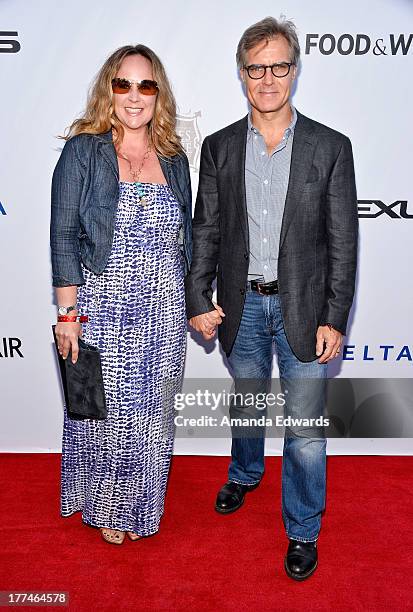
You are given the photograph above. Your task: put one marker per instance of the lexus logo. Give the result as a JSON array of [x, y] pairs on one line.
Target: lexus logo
[[8, 42], [370, 209]]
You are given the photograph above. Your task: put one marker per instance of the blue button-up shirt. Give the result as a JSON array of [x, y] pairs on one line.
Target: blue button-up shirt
[[266, 184]]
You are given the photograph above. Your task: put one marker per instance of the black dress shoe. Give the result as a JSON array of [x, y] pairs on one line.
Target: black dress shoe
[[301, 559], [231, 497]]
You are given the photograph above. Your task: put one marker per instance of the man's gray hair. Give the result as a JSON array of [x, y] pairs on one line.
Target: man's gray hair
[[265, 30]]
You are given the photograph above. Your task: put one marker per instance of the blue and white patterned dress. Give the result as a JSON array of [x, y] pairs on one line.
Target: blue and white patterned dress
[[115, 471]]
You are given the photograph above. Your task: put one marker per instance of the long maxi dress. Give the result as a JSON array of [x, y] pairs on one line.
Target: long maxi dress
[[115, 471]]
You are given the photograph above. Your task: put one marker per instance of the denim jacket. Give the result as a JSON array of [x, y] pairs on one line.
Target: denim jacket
[[85, 194]]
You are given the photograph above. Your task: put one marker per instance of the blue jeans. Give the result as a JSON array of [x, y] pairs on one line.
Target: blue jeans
[[304, 457]]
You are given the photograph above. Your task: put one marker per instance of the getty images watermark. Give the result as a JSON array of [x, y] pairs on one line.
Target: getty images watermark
[[333, 408], [258, 402]]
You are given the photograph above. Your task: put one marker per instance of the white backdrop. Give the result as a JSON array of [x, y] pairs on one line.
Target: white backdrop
[[49, 53]]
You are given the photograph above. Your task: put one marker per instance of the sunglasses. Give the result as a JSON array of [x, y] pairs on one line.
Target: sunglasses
[[145, 87]]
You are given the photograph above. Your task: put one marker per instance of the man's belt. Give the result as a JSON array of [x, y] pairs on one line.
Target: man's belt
[[264, 288]]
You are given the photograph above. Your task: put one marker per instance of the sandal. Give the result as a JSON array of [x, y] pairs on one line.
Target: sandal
[[133, 536], [113, 536]]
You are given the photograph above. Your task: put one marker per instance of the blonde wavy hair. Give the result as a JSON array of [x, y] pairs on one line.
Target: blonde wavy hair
[[100, 116]]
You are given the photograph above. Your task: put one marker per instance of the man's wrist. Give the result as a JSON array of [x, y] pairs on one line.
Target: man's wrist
[[331, 327]]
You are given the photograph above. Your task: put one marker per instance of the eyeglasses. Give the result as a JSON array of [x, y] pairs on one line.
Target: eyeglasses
[[145, 87], [257, 71]]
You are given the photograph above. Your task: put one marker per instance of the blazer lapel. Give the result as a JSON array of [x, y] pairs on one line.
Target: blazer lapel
[[301, 158], [170, 169], [108, 152], [166, 167], [236, 154]]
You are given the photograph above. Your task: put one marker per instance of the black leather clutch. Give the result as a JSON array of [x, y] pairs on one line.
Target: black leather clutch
[[83, 382]]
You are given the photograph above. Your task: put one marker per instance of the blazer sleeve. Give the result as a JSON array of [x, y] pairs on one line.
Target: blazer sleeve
[[67, 185], [206, 239], [342, 233]]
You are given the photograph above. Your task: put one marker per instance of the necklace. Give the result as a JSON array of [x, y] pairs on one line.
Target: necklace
[[135, 173]]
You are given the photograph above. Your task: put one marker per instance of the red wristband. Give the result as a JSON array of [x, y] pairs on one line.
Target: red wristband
[[72, 319]]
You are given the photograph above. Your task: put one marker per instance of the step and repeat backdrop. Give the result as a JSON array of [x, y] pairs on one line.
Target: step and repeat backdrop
[[355, 76]]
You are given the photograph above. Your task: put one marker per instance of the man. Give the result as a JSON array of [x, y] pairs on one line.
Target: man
[[276, 222]]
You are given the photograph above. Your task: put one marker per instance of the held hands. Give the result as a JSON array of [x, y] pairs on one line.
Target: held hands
[[207, 322], [332, 339], [67, 335]]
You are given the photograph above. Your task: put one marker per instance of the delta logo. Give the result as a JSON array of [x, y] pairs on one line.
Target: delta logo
[[383, 352]]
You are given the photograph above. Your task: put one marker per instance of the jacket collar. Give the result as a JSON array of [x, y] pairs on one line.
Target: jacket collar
[[305, 125], [106, 136]]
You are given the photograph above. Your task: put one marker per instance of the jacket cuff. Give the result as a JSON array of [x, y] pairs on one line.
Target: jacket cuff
[[198, 307], [60, 281]]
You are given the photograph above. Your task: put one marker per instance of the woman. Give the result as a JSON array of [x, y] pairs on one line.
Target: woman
[[121, 245]]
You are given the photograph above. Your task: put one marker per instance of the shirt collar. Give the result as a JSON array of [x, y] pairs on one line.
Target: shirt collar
[[288, 131]]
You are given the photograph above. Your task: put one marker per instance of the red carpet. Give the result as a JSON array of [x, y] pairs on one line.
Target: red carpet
[[205, 561]]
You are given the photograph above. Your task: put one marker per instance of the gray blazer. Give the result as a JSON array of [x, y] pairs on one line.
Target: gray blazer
[[318, 243]]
